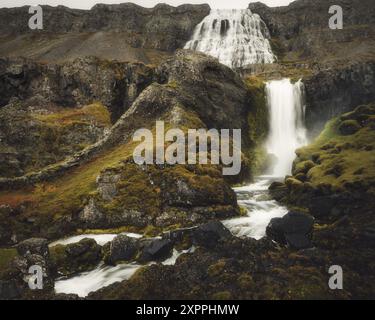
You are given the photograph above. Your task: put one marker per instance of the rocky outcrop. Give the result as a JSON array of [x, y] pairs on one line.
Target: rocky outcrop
[[193, 91], [334, 90], [79, 82], [132, 32], [34, 246]]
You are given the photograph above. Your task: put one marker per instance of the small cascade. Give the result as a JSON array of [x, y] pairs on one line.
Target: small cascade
[[236, 37]]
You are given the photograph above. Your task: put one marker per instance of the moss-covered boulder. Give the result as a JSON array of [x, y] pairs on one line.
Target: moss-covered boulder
[[75, 258]]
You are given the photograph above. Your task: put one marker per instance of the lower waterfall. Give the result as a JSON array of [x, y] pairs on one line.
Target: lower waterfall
[[287, 133], [287, 130]]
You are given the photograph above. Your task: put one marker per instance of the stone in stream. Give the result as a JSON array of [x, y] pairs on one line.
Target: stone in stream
[[121, 248], [76, 257], [294, 229], [155, 250], [207, 235]]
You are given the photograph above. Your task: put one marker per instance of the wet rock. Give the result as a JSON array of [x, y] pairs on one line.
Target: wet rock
[[209, 234], [34, 246], [122, 248], [294, 229], [155, 250]]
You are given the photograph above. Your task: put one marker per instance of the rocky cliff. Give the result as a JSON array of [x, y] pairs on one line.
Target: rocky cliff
[[124, 32], [301, 31]]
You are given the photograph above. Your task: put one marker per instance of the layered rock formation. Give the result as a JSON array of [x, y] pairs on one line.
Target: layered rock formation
[[301, 30], [105, 189]]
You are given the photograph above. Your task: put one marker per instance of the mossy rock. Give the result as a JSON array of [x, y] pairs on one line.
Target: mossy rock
[[349, 127], [293, 184], [303, 167], [75, 258]]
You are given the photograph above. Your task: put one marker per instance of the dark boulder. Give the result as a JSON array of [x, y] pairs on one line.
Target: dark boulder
[[294, 230], [209, 234], [36, 246], [155, 250]]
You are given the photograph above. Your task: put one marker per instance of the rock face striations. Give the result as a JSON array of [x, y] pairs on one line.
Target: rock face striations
[[302, 29]]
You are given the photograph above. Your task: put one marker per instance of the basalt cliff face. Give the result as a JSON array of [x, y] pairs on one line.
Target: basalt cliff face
[[302, 30], [125, 32]]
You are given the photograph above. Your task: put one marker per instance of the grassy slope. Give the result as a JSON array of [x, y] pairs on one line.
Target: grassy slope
[[343, 160]]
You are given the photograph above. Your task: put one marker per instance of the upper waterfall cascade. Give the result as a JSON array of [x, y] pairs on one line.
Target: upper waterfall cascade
[[236, 37], [287, 130]]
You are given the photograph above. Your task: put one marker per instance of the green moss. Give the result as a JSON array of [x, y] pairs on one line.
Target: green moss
[[68, 117], [223, 295], [216, 269], [75, 258], [258, 127], [6, 256], [341, 160]]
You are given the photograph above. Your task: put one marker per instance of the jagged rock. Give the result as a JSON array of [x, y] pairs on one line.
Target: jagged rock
[[122, 248], [91, 216], [294, 229], [155, 250], [107, 185], [33, 246]]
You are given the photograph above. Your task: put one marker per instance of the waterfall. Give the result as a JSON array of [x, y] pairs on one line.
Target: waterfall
[[287, 131], [236, 37]]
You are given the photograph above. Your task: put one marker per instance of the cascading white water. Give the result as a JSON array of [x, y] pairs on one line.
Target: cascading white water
[[287, 131], [236, 37]]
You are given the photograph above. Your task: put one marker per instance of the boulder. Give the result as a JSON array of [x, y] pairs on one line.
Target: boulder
[[155, 250], [294, 230], [76, 257], [121, 248], [91, 216], [209, 234], [36, 246]]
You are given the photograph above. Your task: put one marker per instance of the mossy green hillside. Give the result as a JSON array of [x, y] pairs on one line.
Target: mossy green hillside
[[343, 156]]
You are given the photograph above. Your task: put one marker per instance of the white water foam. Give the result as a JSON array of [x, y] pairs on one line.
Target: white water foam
[[101, 239], [287, 131]]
